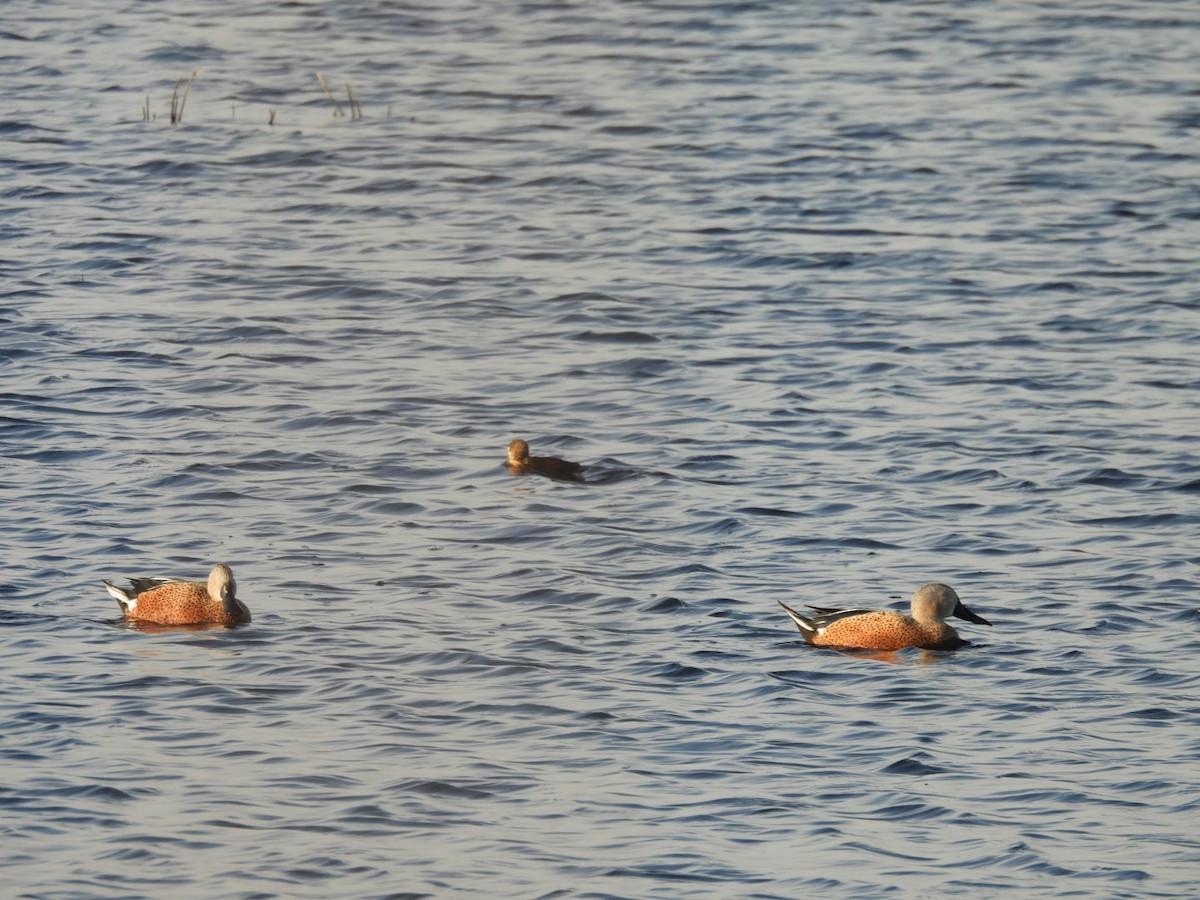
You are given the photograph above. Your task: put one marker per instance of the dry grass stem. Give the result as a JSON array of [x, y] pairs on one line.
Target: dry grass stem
[[186, 90], [177, 103], [355, 106], [337, 107], [175, 98]]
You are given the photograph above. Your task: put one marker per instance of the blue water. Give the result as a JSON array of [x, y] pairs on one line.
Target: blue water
[[832, 299]]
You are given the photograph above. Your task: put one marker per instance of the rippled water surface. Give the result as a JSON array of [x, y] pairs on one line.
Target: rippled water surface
[[832, 299]]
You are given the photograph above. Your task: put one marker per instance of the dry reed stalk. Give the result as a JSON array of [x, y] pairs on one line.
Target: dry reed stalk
[[175, 98], [178, 103], [186, 91], [355, 106], [337, 107]]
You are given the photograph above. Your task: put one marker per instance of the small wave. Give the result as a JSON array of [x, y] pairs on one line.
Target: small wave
[[615, 337]]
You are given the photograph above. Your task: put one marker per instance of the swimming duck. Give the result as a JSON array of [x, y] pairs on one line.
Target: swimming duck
[[865, 629], [521, 463], [170, 601]]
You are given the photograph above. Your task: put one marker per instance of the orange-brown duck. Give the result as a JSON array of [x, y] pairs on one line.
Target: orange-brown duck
[[171, 601], [864, 629]]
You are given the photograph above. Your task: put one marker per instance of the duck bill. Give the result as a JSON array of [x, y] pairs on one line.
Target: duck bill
[[963, 613]]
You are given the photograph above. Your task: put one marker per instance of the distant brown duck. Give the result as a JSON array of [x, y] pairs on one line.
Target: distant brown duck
[[521, 463], [170, 601]]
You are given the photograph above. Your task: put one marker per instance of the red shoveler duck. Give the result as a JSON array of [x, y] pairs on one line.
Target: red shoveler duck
[[865, 629], [171, 601], [521, 463]]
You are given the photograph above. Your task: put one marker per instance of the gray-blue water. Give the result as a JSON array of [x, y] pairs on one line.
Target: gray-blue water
[[833, 299]]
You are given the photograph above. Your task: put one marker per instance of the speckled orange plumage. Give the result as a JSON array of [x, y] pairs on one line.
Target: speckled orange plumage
[[172, 602], [862, 629], [885, 631]]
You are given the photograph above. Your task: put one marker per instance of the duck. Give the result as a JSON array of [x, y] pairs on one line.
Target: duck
[[865, 629], [173, 601], [521, 463]]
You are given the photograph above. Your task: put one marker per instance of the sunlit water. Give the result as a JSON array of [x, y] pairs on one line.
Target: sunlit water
[[833, 299]]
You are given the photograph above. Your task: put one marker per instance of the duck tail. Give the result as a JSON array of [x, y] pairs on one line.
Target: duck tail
[[806, 625], [125, 599]]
